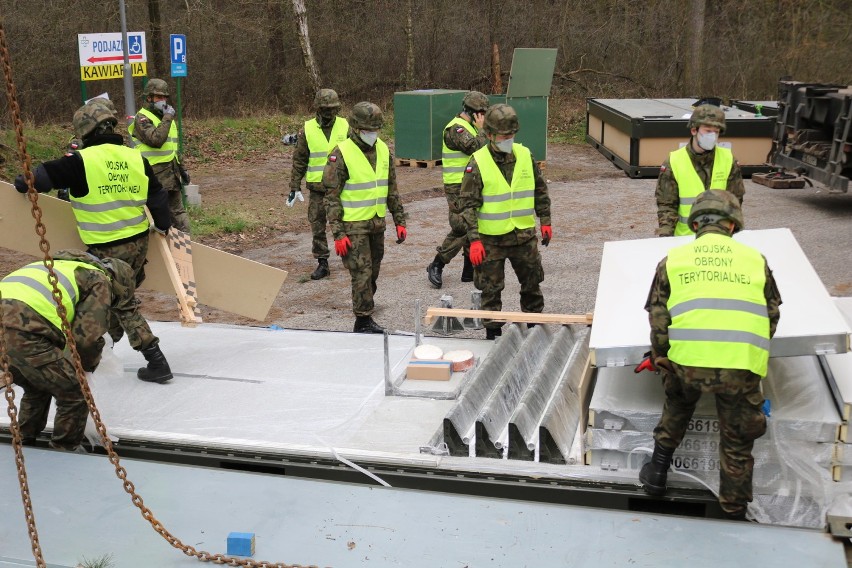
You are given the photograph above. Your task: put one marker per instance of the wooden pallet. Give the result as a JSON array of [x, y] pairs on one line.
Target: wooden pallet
[[417, 163], [777, 180]]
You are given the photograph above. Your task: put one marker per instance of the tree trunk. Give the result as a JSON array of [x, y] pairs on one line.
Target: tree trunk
[[305, 42], [694, 70], [409, 60], [496, 73], [158, 58]]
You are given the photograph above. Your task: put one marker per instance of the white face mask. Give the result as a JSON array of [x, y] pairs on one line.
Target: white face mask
[[706, 140], [369, 138], [505, 146]]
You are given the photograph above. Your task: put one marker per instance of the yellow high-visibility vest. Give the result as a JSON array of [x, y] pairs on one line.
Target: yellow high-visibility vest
[[506, 207], [717, 305], [365, 193], [118, 190], [689, 185], [165, 153], [31, 286], [319, 147], [453, 162]]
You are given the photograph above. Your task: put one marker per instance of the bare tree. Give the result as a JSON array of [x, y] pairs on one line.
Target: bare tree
[[305, 42], [409, 59], [157, 56], [694, 69], [493, 24]]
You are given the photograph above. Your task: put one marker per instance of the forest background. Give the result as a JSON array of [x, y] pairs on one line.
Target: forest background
[[250, 57]]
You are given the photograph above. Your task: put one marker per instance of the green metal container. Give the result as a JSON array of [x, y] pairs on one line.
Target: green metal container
[[419, 121]]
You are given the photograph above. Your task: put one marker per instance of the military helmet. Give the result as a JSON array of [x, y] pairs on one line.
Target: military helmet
[[89, 117], [106, 103], [326, 98], [155, 87], [501, 119], [714, 205], [366, 116], [710, 115], [474, 100]]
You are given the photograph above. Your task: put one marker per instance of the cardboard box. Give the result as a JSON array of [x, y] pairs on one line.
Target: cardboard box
[[429, 370]]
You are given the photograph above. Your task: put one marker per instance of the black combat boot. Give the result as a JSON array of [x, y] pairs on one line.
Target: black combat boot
[[433, 271], [654, 473], [736, 515], [321, 270], [157, 370], [365, 324], [467, 270], [493, 332]]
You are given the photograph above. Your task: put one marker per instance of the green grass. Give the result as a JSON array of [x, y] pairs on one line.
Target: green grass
[[572, 131], [46, 142], [218, 220]]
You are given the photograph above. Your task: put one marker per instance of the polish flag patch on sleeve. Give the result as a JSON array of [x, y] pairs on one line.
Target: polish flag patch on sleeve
[[332, 158], [662, 168], [468, 169], [459, 130]]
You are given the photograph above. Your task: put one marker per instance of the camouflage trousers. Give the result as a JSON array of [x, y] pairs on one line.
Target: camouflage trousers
[[39, 366], [456, 239], [138, 331], [317, 219], [170, 180], [364, 261], [490, 276], [741, 421]]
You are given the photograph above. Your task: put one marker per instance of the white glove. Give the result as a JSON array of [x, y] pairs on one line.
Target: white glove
[[294, 195], [164, 107]]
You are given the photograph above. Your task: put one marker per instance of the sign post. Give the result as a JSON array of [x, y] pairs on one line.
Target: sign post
[[177, 50]]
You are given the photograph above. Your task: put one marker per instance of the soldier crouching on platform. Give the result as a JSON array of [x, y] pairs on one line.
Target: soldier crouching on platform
[[110, 185], [35, 343], [710, 332]]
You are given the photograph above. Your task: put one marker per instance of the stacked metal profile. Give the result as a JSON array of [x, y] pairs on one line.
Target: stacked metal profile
[[838, 371], [525, 400], [793, 459]]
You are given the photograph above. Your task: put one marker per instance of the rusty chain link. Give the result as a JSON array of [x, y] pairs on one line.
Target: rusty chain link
[[120, 472]]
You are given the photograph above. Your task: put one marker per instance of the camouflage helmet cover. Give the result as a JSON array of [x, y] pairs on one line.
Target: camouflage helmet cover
[[89, 116], [709, 115], [107, 103], [326, 98], [475, 100], [156, 87], [366, 116], [715, 203], [501, 119]]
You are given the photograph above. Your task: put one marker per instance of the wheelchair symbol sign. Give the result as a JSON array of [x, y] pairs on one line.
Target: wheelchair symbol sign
[[134, 44]]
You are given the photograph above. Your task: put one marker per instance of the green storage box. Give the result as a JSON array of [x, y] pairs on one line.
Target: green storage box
[[419, 121]]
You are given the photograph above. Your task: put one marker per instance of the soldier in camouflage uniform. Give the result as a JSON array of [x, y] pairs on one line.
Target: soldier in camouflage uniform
[[462, 137], [715, 167], [501, 189], [313, 144], [360, 184], [35, 342], [109, 186], [154, 133], [713, 307]]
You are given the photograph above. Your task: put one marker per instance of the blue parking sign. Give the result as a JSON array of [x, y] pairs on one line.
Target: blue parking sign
[[178, 54]]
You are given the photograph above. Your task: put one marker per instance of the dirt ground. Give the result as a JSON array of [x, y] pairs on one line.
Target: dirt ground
[[593, 202]]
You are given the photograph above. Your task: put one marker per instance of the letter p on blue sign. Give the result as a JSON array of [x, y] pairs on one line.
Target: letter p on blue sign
[[178, 54]]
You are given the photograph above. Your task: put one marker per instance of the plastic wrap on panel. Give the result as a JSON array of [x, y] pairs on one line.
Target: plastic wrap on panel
[[563, 415], [842, 454], [529, 412], [703, 446], [460, 419], [495, 414]]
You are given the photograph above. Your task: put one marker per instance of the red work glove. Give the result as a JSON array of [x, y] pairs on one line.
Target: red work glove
[[477, 253], [342, 246], [401, 233], [647, 363], [546, 234]]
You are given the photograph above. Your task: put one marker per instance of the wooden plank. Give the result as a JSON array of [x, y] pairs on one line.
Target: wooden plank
[[516, 317], [223, 281], [161, 243]]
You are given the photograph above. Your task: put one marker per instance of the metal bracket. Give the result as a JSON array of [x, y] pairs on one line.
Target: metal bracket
[[447, 325]]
